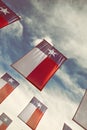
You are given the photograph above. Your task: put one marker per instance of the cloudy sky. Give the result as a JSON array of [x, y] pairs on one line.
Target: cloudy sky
[[63, 23]]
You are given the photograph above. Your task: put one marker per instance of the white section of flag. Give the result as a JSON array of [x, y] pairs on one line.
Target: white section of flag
[[29, 62], [27, 112], [1, 122], [81, 113], [2, 83]]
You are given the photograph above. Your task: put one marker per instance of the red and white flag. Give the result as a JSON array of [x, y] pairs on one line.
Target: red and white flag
[[39, 65], [7, 16], [7, 85], [5, 121], [66, 127], [80, 116], [33, 113]]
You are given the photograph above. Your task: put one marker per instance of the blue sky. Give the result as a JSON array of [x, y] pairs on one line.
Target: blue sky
[[62, 23]]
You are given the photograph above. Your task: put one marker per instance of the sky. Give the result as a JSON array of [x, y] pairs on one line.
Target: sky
[[64, 24]]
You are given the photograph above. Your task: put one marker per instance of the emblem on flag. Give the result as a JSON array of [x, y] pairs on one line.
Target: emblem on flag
[[32, 113], [39, 65], [7, 16]]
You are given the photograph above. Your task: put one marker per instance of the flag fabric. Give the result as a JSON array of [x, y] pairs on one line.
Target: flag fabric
[[32, 113], [80, 116], [39, 65], [5, 121], [7, 16], [7, 85], [66, 127]]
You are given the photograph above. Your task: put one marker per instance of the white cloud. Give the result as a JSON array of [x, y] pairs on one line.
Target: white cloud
[[27, 20], [66, 24], [14, 29], [69, 82], [75, 45]]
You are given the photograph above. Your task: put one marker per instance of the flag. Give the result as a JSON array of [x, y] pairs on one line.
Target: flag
[[80, 116], [39, 65], [32, 113], [66, 127], [7, 85], [7, 16], [5, 121]]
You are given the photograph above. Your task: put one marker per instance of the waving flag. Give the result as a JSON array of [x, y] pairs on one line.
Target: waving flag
[[7, 16], [40, 64], [33, 113], [66, 127], [5, 121], [7, 85], [80, 116]]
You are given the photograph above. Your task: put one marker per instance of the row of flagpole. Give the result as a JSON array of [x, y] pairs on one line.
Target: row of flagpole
[[50, 56]]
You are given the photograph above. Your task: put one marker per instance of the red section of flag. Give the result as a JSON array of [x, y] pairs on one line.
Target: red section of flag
[[3, 126], [34, 119], [42, 73], [3, 22], [5, 91]]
